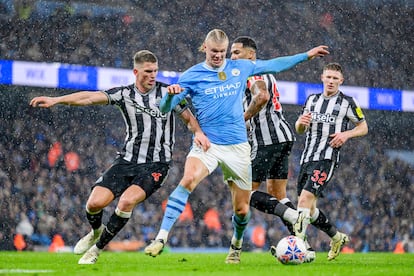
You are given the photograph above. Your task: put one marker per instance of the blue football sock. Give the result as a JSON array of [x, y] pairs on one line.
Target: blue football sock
[[175, 206], [240, 225]]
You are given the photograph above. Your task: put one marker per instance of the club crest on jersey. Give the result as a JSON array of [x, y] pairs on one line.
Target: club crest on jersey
[[235, 72], [222, 75]]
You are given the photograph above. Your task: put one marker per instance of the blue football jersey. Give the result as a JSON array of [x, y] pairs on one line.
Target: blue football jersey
[[217, 94]]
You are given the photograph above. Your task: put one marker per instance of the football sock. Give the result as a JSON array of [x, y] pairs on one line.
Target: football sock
[[115, 224], [237, 243], [239, 226], [175, 206], [270, 205], [288, 225], [95, 219], [288, 203], [321, 221]]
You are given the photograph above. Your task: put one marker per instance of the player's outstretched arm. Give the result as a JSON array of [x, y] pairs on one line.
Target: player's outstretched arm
[[83, 98], [319, 51]]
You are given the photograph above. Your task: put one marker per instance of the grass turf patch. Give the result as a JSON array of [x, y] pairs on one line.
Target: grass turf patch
[[136, 263]]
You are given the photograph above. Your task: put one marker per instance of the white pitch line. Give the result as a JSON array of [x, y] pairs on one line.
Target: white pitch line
[[7, 271]]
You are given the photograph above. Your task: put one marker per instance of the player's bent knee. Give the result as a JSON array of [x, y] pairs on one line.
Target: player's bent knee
[[95, 206], [243, 211]]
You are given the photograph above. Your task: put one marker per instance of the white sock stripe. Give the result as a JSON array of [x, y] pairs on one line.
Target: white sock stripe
[[122, 214], [315, 215], [284, 200]]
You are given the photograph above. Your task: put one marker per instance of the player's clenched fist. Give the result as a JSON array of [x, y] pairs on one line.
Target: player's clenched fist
[[174, 89]]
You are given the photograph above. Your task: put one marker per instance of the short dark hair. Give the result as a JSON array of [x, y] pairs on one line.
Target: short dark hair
[[334, 67], [246, 41], [144, 56]]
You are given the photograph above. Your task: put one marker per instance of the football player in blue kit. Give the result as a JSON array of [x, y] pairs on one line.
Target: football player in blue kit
[[216, 87]]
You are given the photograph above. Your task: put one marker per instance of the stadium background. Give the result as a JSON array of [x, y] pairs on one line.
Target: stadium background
[[370, 195]]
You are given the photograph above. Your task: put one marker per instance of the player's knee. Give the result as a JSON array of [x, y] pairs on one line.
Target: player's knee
[[127, 204], [242, 211], [189, 182], [94, 205]]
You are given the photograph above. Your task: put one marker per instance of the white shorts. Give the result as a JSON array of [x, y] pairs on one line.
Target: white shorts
[[234, 161]]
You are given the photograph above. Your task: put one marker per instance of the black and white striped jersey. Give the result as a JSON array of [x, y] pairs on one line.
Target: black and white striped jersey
[[269, 125], [149, 132], [329, 115]]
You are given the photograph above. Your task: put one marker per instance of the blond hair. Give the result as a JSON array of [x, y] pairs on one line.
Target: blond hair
[[215, 35]]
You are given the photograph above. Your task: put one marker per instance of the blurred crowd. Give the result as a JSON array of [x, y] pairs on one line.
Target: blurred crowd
[[50, 158], [43, 193], [371, 39]]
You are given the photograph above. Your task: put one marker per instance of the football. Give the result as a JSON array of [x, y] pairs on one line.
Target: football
[[290, 250]]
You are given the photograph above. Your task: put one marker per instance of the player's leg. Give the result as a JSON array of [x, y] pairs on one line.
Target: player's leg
[[99, 198], [338, 239], [194, 172], [306, 192], [240, 219], [277, 176], [270, 205], [267, 162], [236, 167], [305, 202], [128, 200]]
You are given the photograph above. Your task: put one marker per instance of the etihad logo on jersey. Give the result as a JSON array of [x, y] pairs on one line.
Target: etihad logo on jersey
[[323, 118], [152, 112], [223, 90]]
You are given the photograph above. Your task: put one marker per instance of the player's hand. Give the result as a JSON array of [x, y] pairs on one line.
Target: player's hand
[[319, 51], [201, 140], [44, 102], [338, 139], [305, 119], [174, 89]]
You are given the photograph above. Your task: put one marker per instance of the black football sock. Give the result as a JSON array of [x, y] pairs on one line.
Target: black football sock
[[95, 219], [322, 223], [115, 224], [267, 204]]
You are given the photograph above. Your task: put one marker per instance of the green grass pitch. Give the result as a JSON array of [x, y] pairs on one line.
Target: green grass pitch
[[136, 263]]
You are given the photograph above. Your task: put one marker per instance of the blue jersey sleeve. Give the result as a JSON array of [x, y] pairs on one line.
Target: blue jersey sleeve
[[168, 102], [279, 64]]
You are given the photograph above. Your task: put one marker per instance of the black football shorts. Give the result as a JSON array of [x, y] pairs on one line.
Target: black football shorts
[[122, 174]]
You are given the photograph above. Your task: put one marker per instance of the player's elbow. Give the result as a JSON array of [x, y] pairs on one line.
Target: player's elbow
[[363, 128], [263, 97]]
